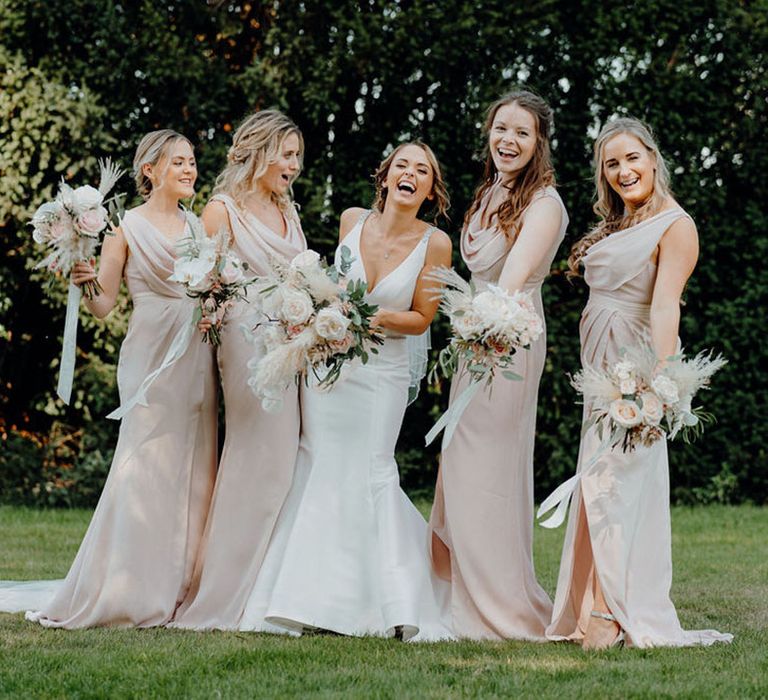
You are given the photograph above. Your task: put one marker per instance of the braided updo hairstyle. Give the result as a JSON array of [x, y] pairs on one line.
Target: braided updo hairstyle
[[256, 144]]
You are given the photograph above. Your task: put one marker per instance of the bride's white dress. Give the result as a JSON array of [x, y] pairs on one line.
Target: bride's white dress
[[349, 553]]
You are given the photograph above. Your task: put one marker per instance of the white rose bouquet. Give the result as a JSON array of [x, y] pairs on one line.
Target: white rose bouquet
[[211, 273], [634, 404], [489, 327], [317, 320], [71, 225]]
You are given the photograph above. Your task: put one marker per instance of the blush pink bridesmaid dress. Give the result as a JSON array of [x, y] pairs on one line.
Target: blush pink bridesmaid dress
[[482, 517], [257, 462], [619, 524], [135, 563]]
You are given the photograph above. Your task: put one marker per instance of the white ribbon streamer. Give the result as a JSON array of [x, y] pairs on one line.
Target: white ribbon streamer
[[560, 498], [178, 347], [450, 419], [69, 344]]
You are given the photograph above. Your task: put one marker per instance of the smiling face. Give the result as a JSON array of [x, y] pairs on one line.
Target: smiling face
[[629, 168], [512, 140], [280, 175], [175, 172], [410, 177]]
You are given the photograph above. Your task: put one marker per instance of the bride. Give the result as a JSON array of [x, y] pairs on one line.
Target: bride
[[349, 553]]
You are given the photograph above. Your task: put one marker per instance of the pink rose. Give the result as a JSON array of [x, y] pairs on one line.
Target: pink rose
[[340, 347], [93, 221], [231, 272]]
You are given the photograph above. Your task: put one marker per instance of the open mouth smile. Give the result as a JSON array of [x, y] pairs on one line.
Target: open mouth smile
[[407, 187]]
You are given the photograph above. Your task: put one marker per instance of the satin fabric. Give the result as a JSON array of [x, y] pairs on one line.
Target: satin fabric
[[482, 517], [350, 550], [619, 523], [259, 453], [136, 560]]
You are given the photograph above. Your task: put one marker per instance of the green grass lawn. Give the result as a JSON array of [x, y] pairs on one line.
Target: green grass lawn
[[721, 582]]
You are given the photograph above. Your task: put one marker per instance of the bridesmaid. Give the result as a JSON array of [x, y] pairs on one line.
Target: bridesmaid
[[135, 562], [616, 569], [350, 550], [252, 200], [482, 517]]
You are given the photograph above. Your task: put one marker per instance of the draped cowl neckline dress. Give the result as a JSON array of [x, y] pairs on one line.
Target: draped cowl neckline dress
[[257, 461], [135, 562], [482, 517], [620, 509]]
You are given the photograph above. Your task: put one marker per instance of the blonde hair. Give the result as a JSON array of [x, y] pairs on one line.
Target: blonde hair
[[441, 202], [609, 206], [152, 148], [537, 173], [257, 144]]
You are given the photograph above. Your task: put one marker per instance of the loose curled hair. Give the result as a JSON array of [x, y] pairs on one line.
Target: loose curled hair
[[609, 206], [152, 148], [537, 173], [441, 201], [257, 144]]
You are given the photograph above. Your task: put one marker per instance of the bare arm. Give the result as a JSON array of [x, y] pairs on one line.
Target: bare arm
[[539, 233], [114, 253], [424, 307], [678, 253], [215, 217], [349, 217]]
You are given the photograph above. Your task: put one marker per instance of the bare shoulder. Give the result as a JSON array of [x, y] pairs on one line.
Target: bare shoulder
[[682, 232], [348, 219], [215, 216], [440, 245], [547, 206]]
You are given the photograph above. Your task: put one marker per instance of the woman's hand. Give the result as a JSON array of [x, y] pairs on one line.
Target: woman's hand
[[83, 272]]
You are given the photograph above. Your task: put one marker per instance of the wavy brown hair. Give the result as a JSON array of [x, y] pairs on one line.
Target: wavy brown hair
[[609, 206], [538, 173], [257, 144], [440, 201]]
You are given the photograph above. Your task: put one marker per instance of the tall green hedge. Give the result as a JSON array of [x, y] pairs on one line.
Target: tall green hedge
[[87, 78]]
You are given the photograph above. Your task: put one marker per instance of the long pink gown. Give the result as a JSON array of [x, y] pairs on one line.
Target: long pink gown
[[136, 560], [619, 521], [257, 462], [482, 517]]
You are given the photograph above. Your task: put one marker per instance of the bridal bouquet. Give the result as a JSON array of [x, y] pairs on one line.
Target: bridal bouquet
[[211, 273], [488, 329], [634, 405], [317, 322], [70, 226]]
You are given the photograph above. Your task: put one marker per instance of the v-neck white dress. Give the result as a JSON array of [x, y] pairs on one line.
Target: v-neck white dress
[[350, 550]]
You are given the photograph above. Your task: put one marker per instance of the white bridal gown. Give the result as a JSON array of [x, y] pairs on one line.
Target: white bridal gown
[[350, 553]]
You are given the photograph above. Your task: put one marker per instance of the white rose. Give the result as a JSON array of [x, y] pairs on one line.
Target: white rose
[[493, 309], [627, 386], [86, 197], [343, 346], [652, 408], [624, 369], [625, 413], [93, 221], [666, 389], [297, 306], [331, 324], [232, 271], [307, 259], [467, 325]]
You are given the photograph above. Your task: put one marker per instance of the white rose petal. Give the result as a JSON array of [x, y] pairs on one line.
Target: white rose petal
[[297, 306], [652, 408], [625, 413], [307, 259], [666, 389], [331, 324]]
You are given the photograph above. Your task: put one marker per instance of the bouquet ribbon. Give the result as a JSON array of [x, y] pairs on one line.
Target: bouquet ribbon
[[178, 347], [450, 419], [560, 498], [69, 344]]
